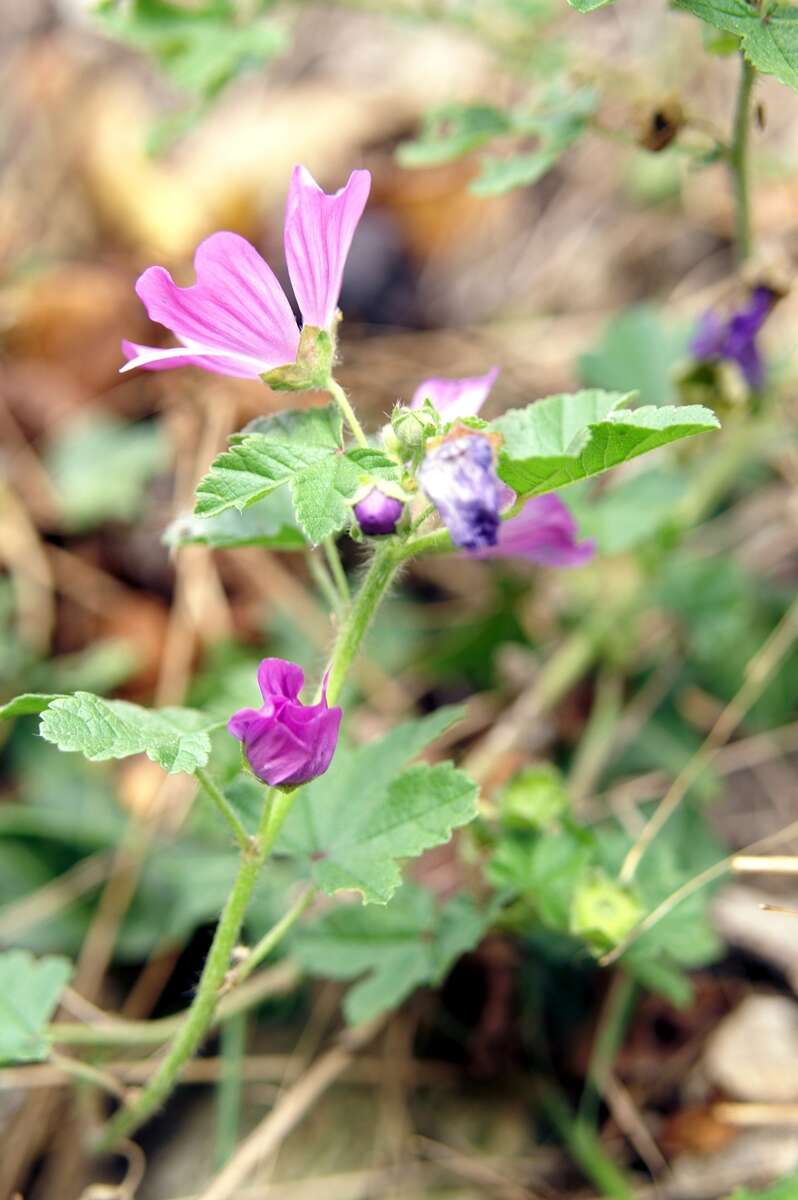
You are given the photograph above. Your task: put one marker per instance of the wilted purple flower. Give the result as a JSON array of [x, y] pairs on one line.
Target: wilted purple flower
[[456, 398], [378, 514], [286, 742], [236, 320], [460, 479], [544, 532], [735, 339]]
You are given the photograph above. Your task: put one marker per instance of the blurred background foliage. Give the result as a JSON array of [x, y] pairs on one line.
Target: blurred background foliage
[[548, 197]]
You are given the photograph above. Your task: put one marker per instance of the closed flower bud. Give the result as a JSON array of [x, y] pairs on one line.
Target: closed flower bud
[[286, 742], [603, 912], [378, 514], [460, 479], [413, 426]]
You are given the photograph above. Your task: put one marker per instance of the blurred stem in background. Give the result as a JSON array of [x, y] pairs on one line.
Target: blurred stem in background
[[738, 160]]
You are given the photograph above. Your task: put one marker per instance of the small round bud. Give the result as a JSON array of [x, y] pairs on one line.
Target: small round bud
[[534, 799], [603, 912], [378, 514], [413, 426]]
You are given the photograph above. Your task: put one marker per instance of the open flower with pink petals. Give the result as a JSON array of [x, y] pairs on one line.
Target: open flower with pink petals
[[544, 531], [236, 319]]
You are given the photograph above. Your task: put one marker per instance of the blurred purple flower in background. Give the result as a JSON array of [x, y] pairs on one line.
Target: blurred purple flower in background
[[378, 514], [544, 531], [734, 339], [456, 398], [236, 319], [460, 479], [286, 742]]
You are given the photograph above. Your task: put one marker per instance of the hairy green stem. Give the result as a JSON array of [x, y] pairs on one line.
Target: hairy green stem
[[738, 160], [200, 1014], [374, 586], [337, 570], [223, 805], [342, 400], [275, 935], [114, 1031]]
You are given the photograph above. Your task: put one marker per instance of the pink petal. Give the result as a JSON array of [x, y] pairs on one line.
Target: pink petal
[[543, 532], [221, 362], [278, 677], [318, 233], [236, 306], [455, 398]]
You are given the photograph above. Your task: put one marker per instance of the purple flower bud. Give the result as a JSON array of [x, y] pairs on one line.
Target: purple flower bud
[[735, 339], [460, 479], [286, 742], [378, 514]]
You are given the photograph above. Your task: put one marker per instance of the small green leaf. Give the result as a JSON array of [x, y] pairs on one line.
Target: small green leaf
[[397, 948], [769, 39], [586, 6], [270, 523], [564, 438], [29, 992], [100, 468], [175, 738], [27, 705], [300, 448], [353, 824], [202, 47], [452, 131]]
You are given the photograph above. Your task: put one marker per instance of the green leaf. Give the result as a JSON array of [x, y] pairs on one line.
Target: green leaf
[[270, 523], [585, 6], [27, 705], [638, 351], [452, 131], [202, 47], [175, 738], [630, 513], [300, 448], [545, 870], [564, 438], [29, 992], [555, 126], [100, 468], [353, 824], [404, 945], [769, 39]]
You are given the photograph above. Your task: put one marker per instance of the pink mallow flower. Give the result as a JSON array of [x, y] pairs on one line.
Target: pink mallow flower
[[236, 319], [286, 742], [544, 531]]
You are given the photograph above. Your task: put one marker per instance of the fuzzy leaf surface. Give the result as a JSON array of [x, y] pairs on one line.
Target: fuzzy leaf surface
[[177, 739], [768, 39], [370, 810], [396, 948], [564, 438], [29, 992]]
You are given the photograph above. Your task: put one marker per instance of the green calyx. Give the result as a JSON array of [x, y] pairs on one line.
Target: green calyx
[[312, 367]]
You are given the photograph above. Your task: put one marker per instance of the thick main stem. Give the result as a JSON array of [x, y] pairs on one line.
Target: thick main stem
[[365, 604], [200, 1014], [738, 160]]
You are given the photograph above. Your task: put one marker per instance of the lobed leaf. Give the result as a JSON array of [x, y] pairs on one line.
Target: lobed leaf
[[29, 992], [564, 438], [768, 38], [369, 810], [397, 948], [177, 739]]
